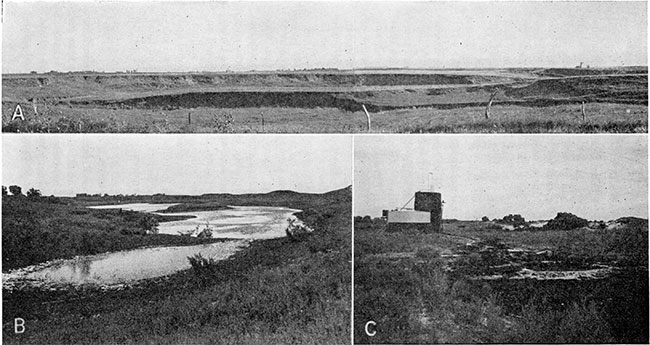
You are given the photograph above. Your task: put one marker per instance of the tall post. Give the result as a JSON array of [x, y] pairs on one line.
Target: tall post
[[262, 115], [582, 109], [489, 105], [189, 118], [34, 105], [367, 115]]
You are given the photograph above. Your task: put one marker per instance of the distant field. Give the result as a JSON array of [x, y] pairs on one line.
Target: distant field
[[525, 100]]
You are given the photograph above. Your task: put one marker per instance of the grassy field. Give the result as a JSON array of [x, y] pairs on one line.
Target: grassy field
[[526, 101], [402, 284], [279, 291], [601, 118]]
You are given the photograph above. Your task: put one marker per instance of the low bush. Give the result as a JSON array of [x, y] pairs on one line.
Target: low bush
[[565, 221], [204, 269]]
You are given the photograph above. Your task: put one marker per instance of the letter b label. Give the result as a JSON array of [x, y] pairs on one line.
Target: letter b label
[[19, 325]]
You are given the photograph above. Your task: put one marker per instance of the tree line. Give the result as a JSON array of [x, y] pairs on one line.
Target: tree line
[[17, 191]]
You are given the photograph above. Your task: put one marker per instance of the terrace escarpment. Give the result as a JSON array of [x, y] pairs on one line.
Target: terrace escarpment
[[344, 90]]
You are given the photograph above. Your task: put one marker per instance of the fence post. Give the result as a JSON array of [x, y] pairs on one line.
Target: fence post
[[189, 118], [34, 105], [489, 105], [367, 115], [582, 109]]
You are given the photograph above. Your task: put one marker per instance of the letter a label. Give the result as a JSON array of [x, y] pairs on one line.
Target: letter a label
[[18, 113]]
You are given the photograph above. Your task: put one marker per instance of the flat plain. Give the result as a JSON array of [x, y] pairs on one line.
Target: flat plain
[[518, 100]]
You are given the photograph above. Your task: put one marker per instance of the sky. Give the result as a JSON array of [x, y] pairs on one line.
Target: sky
[[176, 164], [152, 36], [598, 177]]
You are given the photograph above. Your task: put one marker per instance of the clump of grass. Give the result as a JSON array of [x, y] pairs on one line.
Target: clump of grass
[[222, 123], [427, 252], [581, 322], [204, 268], [431, 255]]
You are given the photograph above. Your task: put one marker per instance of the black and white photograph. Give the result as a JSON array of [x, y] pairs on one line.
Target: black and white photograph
[[176, 239], [507, 239], [325, 67], [324, 172]]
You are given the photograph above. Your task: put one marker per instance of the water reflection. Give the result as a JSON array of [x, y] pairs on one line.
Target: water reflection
[[243, 223], [250, 222], [128, 266]]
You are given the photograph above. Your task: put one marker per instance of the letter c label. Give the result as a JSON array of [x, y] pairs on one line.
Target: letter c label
[[368, 332]]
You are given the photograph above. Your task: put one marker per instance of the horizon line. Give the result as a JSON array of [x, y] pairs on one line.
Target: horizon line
[[325, 69], [166, 194]]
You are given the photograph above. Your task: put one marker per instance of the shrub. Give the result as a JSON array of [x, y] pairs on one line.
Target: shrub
[[514, 219], [33, 194], [566, 221], [204, 268], [15, 190], [493, 241], [222, 123], [461, 289]]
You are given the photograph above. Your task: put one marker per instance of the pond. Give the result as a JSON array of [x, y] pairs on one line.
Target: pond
[[246, 222], [113, 269], [241, 224]]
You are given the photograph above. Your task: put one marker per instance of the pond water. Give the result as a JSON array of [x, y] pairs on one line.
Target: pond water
[[115, 269], [135, 207], [111, 269], [244, 222]]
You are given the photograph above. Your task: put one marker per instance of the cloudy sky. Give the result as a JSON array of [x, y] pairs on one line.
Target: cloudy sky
[[176, 164], [217, 36], [593, 176]]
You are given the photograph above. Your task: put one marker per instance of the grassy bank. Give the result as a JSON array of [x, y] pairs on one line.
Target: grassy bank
[[278, 291], [43, 229], [402, 285], [600, 118], [567, 118]]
